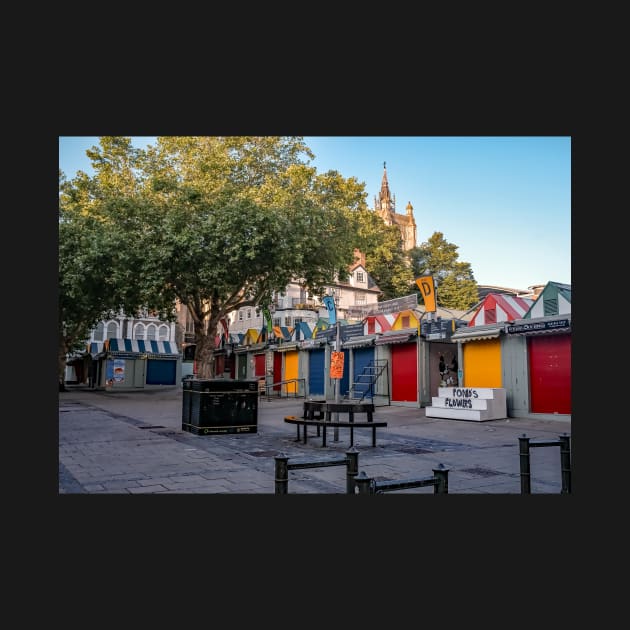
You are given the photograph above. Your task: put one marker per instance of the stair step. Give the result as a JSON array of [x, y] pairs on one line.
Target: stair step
[[457, 414], [455, 403], [472, 403]]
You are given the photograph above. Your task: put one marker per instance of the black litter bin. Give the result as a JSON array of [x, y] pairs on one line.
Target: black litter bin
[[219, 406], [186, 401]]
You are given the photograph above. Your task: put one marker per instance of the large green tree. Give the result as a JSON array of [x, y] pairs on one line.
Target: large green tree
[[456, 286], [97, 254], [218, 223]]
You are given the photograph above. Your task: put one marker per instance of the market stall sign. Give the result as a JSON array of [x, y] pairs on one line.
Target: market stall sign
[[535, 326]]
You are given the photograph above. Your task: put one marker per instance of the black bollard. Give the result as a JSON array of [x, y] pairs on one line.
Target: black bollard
[[523, 447], [441, 473], [363, 483], [282, 474], [352, 469], [565, 463]]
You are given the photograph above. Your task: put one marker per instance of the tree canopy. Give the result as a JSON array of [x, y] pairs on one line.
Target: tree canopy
[[214, 222], [456, 286], [218, 223], [385, 259]]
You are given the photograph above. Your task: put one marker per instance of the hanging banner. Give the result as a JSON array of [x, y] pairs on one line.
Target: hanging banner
[[427, 288], [329, 303], [267, 316], [336, 364]]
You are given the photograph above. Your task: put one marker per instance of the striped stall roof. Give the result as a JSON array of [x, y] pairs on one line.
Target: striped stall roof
[[282, 332], [554, 299], [148, 346], [302, 330], [384, 321], [251, 336], [497, 307], [95, 347]]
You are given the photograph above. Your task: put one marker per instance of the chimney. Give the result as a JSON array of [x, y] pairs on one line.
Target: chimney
[[359, 257]]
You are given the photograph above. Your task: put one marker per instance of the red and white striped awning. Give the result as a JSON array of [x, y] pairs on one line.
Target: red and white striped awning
[[497, 307]]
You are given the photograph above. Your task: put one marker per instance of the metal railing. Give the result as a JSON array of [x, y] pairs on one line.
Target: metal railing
[[439, 481], [564, 442], [283, 389], [350, 461]]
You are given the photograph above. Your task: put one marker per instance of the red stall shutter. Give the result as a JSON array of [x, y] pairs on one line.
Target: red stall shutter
[[404, 372], [259, 366], [550, 373]]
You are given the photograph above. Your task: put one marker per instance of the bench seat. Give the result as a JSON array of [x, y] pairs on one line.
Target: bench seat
[[350, 424]]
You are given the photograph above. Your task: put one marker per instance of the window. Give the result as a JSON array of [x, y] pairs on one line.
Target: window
[[112, 330], [98, 332], [151, 331], [240, 316], [295, 301], [297, 320], [359, 298], [249, 313], [405, 321], [190, 324], [360, 276], [276, 321], [138, 331], [287, 321], [163, 333]]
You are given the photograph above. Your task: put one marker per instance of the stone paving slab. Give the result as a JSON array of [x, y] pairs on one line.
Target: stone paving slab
[[132, 443]]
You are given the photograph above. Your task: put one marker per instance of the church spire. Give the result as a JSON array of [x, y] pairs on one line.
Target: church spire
[[385, 207], [384, 183], [385, 202]]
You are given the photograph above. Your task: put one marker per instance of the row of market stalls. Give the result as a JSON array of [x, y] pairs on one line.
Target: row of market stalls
[[128, 364], [518, 344], [527, 353], [514, 343]]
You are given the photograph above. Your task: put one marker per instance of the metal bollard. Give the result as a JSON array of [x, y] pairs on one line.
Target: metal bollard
[[565, 463], [282, 474], [363, 483], [523, 447], [352, 469], [441, 473]]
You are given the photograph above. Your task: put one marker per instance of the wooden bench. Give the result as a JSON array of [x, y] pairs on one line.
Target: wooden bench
[[351, 424], [324, 409]]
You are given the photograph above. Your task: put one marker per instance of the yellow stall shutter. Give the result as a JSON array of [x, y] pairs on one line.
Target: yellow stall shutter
[[482, 363], [291, 370]]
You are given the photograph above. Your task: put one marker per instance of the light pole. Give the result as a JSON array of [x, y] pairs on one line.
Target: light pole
[[338, 386]]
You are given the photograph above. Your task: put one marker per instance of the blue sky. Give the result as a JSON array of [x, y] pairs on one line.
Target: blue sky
[[504, 201]]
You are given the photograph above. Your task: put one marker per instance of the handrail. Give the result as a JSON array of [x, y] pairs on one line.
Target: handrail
[[295, 393]]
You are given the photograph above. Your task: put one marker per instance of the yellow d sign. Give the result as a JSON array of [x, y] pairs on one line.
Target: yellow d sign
[[427, 288]]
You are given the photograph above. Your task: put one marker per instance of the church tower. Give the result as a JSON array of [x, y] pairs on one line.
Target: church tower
[[385, 207]]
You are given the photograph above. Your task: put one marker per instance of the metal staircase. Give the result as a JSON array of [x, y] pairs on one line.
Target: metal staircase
[[363, 386]]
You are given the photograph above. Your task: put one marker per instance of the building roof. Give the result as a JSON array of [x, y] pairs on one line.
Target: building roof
[[498, 307], [554, 299]]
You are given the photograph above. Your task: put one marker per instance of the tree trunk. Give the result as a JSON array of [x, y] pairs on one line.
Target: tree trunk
[[204, 354], [62, 353]]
